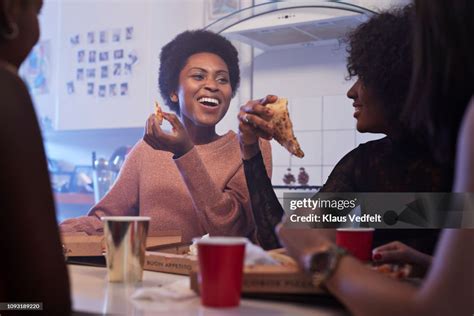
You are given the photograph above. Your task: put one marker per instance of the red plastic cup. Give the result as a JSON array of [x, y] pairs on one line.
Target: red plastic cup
[[221, 263], [357, 241]]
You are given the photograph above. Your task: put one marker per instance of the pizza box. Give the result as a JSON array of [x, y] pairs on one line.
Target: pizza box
[[286, 278], [172, 258], [83, 245], [270, 279]]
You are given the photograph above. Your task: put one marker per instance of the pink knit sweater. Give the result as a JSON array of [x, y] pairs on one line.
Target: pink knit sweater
[[203, 191]]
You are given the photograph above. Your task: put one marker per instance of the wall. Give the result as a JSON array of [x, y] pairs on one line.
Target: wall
[[166, 18]]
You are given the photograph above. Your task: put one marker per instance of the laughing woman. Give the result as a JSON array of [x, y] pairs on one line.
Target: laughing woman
[[191, 178]]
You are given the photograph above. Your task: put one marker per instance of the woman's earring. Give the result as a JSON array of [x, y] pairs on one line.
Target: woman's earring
[[174, 98], [12, 34]]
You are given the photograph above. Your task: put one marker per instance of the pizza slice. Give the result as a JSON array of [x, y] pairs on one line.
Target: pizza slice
[[283, 128], [158, 113]]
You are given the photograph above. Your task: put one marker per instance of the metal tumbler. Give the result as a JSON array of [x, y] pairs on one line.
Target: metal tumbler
[[125, 239]]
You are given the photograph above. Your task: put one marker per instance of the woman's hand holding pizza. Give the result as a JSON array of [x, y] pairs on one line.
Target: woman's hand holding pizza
[[177, 142], [254, 122]]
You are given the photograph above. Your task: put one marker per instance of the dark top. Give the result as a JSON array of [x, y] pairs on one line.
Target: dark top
[[382, 165], [32, 267]]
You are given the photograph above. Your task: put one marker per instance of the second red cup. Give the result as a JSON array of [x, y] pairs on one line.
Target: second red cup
[[221, 262], [357, 241]]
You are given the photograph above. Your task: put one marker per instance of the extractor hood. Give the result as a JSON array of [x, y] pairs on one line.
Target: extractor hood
[[282, 25]]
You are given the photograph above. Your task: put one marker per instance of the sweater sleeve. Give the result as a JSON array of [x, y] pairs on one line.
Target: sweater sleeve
[[267, 210], [221, 211], [121, 200]]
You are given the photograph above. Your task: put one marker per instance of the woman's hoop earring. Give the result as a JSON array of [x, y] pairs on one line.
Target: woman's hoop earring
[[12, 34]]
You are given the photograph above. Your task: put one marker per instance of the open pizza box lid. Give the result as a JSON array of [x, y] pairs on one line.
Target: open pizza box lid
[[83, 245]]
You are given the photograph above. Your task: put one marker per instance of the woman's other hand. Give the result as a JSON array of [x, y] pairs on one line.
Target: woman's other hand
[[303, 242], [254, 122], [399, 253], [177, 142]]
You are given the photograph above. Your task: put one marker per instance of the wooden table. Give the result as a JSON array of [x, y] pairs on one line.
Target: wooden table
[[92, 293]]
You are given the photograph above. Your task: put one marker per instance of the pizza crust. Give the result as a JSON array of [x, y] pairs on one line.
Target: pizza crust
[[158, 113], [283, 127]]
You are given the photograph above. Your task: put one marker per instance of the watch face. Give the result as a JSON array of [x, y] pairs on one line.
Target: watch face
[[320, 262]]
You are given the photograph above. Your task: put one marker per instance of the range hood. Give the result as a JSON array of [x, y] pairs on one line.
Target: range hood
[[283, 25]]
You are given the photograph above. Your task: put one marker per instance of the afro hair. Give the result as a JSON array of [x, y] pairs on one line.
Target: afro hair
[[380, 55]]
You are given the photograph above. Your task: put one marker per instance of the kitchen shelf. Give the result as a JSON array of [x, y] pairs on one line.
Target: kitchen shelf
[[74, 198], [298, 187]]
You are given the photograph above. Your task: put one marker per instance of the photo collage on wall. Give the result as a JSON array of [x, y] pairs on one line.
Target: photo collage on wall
[[104, 61]]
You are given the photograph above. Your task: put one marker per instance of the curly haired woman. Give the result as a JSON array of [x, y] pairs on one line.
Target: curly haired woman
[[190, 179], [380, 56]]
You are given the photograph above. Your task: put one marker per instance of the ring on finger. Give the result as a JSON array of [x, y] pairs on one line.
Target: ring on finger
[[246, 118]]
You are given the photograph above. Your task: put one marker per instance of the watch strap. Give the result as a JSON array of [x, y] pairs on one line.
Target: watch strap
[[335, 254]]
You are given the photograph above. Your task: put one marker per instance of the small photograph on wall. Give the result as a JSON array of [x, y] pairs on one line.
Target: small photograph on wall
[[129, 33], [127, 69], [80, 74], [116, 35], [90, 37], [132, 57], [92, 56], [104, 72], [75, 40], [103, 37], [117, 69], [81, 56], [104, 56], [112, 89], [70, 87], [90, 88], [90, 73], [118, 54], [102, 91], [124, 88]]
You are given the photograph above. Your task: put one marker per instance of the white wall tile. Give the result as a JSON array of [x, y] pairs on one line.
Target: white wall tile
[[306, 113], [336, 144], [365, 137], [338, 112], [279, 172], [311, 145], [280, 156]]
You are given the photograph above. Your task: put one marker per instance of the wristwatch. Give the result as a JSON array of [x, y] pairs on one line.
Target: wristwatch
[[322, 263]]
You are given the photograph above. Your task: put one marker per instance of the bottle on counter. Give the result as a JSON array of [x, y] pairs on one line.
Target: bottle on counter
[[103, 177], [303, 177], [289, 178]]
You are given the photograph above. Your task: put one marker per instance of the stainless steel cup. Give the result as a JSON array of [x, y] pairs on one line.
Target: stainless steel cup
[[125, 239]]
